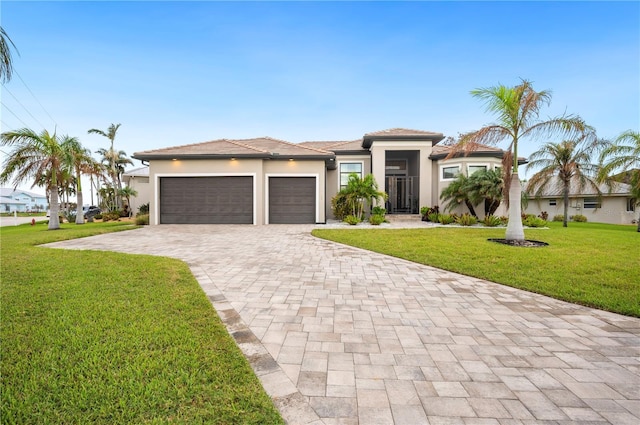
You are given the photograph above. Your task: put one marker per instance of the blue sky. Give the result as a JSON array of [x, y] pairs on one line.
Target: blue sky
[[175, 73]]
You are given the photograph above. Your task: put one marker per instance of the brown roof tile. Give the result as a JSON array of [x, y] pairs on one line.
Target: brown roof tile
[[402, 132]]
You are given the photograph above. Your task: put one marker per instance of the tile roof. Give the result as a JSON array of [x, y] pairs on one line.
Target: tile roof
[[402, 132], [6, 191], [256, 147], [137, 172], [445, 150], [337, 146], [555, 189]]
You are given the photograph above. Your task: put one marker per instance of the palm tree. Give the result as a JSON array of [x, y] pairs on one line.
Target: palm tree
[[486, 186], [6, 62], [517, 110], [565, 163], [109, 155], [128, 192], [78, 159], [456, 193], [34, 157], [361, 190], [623, 155]]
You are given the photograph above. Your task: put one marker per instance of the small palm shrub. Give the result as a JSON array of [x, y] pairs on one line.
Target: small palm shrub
[[446, 219], [142, 219], [434, 217], [579, 218], [377, 210], [376, 219], [504, 220], [558, 217], [466, 219], [352, 220], [143, 209], [491, 221], [544, 215], [534, 221]]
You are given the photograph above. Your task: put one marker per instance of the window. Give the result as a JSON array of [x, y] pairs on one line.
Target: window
[[591, 203], [552, 202], [449, 173], [472, 169], [347, 168], [631, 205]]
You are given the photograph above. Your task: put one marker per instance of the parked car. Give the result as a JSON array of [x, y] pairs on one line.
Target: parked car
[[91, 211]]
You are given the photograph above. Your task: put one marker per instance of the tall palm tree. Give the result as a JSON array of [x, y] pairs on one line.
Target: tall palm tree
[[623, 155], [566, 163], [78, 159], [517, 110], [6, 62], [110, 157], [34, 156]]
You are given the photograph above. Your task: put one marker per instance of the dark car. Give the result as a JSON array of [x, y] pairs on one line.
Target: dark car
[[90, 212]]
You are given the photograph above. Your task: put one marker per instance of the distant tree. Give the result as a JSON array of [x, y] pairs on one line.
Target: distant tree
[[109, 155], [568, 162], [623, 155], [517, 109], [79, 161], [127, 192], [6, 61], [35, 157]]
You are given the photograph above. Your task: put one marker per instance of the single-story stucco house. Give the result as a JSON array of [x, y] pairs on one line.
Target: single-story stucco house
[[615, 204], [269, 181], [138, 180]]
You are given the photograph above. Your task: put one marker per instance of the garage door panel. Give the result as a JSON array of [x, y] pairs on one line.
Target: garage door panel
[[206, 200], [292, 200]]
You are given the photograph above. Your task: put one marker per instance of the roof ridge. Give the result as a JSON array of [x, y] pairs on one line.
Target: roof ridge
[[244, 145], [298, 145]]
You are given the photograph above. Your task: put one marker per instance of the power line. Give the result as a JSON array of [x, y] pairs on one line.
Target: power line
[[24, 107], [36, 99], [18, 118]]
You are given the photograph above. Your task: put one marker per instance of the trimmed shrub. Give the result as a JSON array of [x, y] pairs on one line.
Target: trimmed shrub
[[142, 219], [340, 206], [558, 217], [377, 210], [579, 218], [466, 219], [534, 221], [376, 219], [143, 209], [446, 219], [352, 220], [491, 221], [112, 215], [433, 217]]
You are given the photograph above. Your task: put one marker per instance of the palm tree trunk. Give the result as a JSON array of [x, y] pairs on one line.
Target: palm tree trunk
[[470, 207], [565, 193], [515, 230], [54, 209]]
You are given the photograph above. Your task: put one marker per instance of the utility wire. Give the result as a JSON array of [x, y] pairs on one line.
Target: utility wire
[[8, 109], [24, 107], [37, 100]]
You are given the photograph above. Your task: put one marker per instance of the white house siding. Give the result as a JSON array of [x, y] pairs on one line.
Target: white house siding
[[141, 185], [613, 209]]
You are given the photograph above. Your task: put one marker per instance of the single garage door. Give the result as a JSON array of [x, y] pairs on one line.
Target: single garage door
[[292, 200], [206, 200]]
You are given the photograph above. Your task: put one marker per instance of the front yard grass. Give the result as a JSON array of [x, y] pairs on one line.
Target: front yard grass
[[101, 337], [596, 265]]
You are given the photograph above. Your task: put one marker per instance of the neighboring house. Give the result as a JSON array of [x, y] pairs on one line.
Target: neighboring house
[[138, 180], [615, 206], [21, 201], [270, 181]]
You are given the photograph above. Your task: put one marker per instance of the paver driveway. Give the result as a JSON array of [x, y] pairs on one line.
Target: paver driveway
[[342, 335]]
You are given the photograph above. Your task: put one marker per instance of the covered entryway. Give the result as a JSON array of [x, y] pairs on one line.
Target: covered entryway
[[292, 200], [206, 200]]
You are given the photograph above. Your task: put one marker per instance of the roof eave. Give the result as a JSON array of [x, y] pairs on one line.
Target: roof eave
[[367, 140]]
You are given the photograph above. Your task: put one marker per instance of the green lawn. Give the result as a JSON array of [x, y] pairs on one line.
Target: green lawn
[[100, 337], [597, 265]]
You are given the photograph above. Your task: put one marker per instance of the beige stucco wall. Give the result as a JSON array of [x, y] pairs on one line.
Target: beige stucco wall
[[424, 147], [258, 168], [333, 177], [440, 184], [612, 211]]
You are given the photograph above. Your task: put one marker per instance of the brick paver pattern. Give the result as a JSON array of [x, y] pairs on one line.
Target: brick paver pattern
[[339, 335]]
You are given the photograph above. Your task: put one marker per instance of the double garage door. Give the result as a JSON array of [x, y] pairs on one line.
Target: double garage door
[[229, 200]]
